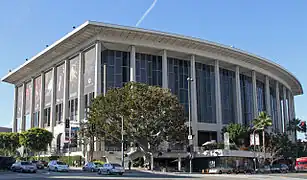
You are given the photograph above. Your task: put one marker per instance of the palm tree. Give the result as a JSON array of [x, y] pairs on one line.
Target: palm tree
[[294, 126], [261, 123]]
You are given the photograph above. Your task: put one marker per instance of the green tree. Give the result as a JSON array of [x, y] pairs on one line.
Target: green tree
[[261, 123], [279, 146], [36, 139], [237, 133], [9, 142], [151, 115]]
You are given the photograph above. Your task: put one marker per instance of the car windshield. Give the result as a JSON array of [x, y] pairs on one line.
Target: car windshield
[[116, 165], [25, 163], [34, 161], [60, 163]]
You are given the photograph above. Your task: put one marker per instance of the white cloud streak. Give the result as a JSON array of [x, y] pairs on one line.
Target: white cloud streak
[[146, 13]]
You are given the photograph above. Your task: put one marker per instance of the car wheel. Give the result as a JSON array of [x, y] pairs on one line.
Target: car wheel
[[56, 169], [229, 172], [121, 174], [92, 170], [34, 171], [13, 169], [220, 172], [83, 169], [99, 171], [108, 172]]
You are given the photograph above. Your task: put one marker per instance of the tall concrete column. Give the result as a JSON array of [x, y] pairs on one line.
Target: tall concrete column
[[279, 122], [23, 104], [14, 124], [238, 106], [81, 88], [285, 109], [53, 99], [194, 100], [98, 69], [32, 101], [42, 101], [164, 70], [267, 96], [179, 163], [132, 63], [255, 103], [290, 105], [218, 109]]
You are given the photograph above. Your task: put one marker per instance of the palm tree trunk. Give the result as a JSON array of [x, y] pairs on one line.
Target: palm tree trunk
[[263, 141]]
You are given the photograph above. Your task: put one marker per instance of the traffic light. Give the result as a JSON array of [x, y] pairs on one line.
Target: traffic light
[[67, 123], [190, 148], [303, 126], [125, 145]]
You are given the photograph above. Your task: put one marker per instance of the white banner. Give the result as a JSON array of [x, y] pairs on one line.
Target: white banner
[[253, 139]]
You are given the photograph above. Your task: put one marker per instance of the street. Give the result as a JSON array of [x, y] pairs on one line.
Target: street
[[77, 174]]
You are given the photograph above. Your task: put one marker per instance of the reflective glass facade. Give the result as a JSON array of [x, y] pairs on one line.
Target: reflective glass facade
[[228, 95], [148, 69], [260, 96], [246, 99], [118, 72], [205, 89], [273, 103], [178, 72]]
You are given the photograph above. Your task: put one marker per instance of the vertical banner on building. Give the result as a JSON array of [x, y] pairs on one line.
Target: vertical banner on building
[[89, 71], [37, 98], [19, 100], [60, 84], [28, 98], [73, 78], [48, 88], [226, 141], [27, 105]]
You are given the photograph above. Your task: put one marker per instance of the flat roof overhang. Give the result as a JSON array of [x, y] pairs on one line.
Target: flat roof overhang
[[91, 29]]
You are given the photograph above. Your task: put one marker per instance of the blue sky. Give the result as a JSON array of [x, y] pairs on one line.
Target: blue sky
[[274, 29]]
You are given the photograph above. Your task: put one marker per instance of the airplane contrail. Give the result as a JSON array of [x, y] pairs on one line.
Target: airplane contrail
[[145, 14]]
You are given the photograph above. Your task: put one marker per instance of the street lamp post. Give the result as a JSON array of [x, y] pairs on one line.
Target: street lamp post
[[189, 79], [122, 132]]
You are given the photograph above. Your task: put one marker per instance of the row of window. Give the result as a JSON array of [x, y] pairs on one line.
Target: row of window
[[149, 70]]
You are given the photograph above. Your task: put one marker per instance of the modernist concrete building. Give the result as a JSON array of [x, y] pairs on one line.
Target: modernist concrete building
[[229, 85]]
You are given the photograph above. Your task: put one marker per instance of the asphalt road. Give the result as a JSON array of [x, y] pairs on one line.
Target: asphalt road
[[76, 174]]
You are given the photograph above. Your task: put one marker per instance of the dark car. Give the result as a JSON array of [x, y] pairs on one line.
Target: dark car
[[38, 164], [245, 170], [279, 168], [45, 163]]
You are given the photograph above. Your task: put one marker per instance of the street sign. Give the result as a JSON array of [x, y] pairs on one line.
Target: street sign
[[190, 137]]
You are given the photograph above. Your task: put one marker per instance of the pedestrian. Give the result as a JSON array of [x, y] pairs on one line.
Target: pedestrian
[[129, 164]]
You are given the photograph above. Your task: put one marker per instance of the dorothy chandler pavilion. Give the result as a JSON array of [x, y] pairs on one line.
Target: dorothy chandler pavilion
[[229, 85]]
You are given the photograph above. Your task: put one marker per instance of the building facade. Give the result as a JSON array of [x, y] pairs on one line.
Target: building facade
[[229, 85]]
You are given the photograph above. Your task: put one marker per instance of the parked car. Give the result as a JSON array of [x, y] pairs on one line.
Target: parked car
[[279, 168], [38, 164], [58, 166], [111, 168], [220, 170], [245, 170], [24, 166], [264, 169], [91, 166]]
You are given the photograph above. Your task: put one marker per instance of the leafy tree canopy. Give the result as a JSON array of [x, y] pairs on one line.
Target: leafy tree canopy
[[36, 139], [237, 133], [151, 115], [9, 141]]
